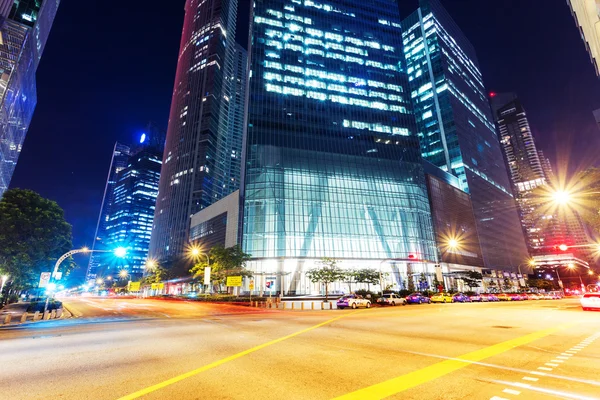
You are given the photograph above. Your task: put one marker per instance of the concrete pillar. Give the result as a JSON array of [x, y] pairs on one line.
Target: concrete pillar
[[46, 315], [24, 317], [7, 319], [53, 314], [36, 315]]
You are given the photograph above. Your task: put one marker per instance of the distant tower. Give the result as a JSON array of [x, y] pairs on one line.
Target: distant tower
[[24, 29], [197, 160], [456, 129]]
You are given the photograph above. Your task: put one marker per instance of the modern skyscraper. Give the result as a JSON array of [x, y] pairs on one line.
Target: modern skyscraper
[[456, 130], [332, 166], [587, 17], [24, 29], [119, 160], [196, 168], [128, 206]]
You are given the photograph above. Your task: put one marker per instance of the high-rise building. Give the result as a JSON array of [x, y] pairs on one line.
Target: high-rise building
[[24, 29], [587, 17], [197, 160], [128, 206], [456, 129], [526, 170], [119, 160], [332, 166]]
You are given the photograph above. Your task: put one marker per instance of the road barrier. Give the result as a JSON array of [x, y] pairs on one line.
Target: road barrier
[[34, 317], [293, 305]]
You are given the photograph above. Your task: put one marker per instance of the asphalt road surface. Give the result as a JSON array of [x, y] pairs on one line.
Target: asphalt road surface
[[152, 349]]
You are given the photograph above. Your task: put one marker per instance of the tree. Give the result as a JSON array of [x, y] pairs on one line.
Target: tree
[[541, 284], [472, 279], [506, 284], [368, 276], [350, 278], [224, 262], [33, 235], [326, 274]]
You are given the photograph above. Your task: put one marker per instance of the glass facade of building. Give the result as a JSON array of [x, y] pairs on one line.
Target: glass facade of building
[[128, 209], [456, 129], [20, 51], [332, 162], [198, 153], [118, 162]]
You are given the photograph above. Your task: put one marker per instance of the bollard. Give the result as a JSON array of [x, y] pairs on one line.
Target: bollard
[[322, 306], [53, 314], [36, 315], [330, 305], [302, 306], [24, 317], [283, 305], [312, 305], [7, 319], [292, 305], [270, 304], [46, 316], [59, 313]]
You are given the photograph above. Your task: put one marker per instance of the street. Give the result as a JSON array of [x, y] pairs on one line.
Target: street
[[153, 349]]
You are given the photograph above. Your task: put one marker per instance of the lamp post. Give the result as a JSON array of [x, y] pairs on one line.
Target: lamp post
[[195, 252], [4, 279]]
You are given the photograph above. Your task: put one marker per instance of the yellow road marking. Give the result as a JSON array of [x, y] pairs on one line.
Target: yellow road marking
[[427, 374], [215, 364]]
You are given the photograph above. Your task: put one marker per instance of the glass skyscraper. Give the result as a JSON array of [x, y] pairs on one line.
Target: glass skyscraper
[[128, 207], [332, 165], [456, 129], [197, 160], [118, 162], [24, 29]]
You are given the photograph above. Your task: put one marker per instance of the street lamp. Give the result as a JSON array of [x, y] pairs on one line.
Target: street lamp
[[561, 197], [195, 252], [123, 274], [4, 279]]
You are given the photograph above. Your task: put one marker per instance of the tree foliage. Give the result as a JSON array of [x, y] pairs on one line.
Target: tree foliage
[[368, 276], [472, 279], [224, 262], [542, 284], [326, 274], [33, 235]]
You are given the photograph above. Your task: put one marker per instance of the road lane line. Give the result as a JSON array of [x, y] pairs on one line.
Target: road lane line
[[498, 398], [222, 361], [538, 373], [545, 368], [546, 391], [552, 364], [557, 361], [530, 379], [511, 391], [432, 372]]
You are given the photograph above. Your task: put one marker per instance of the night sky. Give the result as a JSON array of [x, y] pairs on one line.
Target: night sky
[[107, 71]]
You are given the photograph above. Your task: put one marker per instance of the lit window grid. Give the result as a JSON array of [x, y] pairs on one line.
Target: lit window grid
[[280, 216]]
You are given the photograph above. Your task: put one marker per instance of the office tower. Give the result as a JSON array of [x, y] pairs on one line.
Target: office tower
[[196, 162], [24, 29], [119, 160], [456, 130], [232, 151], [331, 165], [587, 17], [128, 206]]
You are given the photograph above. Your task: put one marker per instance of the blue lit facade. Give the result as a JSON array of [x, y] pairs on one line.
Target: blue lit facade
[[128, 209], [332, 166], [24, 28], [456, 129]]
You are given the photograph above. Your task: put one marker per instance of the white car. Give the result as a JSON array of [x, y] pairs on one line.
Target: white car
[[353, 301], [590, 301], [391, 299]]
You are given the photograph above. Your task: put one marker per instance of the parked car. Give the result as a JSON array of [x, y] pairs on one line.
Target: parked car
[[442, 298], [476, 298], [391, 299], [353, 301], [534, 296], [515, 297], [556, 295], [461, 298], [489, 297], [417, 298], [590, 301], [504, 297]]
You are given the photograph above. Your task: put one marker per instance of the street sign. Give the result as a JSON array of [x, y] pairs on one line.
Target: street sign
[[234, 281], [207, 276], [157, 286], [134, 286], [44, 279], [251, 286], [270, 282]]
